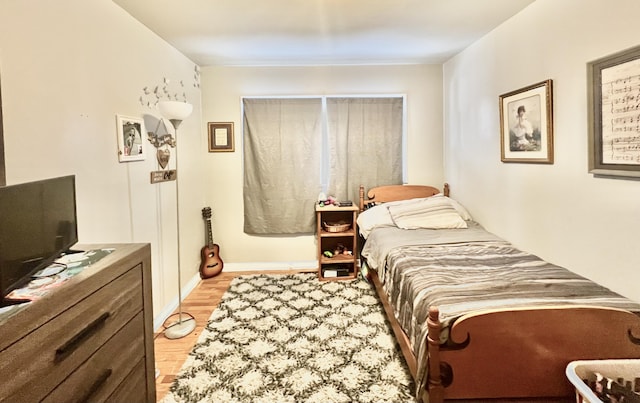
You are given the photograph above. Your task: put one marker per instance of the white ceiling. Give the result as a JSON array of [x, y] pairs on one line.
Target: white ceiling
[[320, 32]]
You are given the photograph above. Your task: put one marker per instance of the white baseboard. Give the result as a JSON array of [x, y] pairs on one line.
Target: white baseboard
[[162, 316], [258, 266]]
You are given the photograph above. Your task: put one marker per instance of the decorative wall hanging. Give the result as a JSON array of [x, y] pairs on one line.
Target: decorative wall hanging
[[163, 176], [614, 114], [168, 90], [196, 76], [130, 145], [165, 91], [162, 143], [526, 124], [221, 136]]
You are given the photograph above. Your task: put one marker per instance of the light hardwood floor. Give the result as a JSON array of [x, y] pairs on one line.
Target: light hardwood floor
[[171, 354]]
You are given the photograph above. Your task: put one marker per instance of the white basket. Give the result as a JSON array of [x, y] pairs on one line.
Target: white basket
[[578, 371]]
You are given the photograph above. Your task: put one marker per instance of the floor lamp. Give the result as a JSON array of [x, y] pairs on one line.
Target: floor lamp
[[176, 112]]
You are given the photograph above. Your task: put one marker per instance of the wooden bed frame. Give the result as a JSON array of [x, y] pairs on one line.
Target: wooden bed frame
[[517, 355]]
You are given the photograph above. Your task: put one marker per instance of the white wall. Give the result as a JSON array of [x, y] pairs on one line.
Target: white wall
[[559, 212], [67, 68], [70, 67], [222, 88]]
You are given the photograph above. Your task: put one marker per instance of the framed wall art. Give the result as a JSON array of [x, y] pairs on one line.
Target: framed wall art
[[221, 136], [130, 144], [613, 90], [526, 124]]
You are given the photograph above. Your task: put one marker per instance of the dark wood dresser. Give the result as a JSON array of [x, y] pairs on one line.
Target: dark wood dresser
[[88, 340]]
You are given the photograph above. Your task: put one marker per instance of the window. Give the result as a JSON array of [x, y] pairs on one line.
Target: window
[[294, 148]]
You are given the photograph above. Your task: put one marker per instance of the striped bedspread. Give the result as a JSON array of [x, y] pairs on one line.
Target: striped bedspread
[[466, 276], [476, 276]]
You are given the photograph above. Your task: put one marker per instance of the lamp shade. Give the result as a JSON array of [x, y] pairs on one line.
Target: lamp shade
[[175, 110]]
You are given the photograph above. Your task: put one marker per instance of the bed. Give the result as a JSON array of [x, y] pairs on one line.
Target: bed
[[476, 318]]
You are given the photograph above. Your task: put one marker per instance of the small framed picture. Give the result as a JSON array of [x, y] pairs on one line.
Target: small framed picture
[[526, 124], [130, 144], [221, 136]]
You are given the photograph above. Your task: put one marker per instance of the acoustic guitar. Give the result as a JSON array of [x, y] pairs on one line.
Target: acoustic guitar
[[211, 264]]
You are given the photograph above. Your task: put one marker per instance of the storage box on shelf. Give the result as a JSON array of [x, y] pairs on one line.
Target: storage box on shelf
[[582, 373], [337, 242]]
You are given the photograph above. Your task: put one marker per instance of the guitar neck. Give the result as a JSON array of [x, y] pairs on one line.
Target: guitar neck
[[209, 233]]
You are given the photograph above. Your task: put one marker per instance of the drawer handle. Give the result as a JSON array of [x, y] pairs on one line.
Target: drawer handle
[[97, 384], [73, 343]]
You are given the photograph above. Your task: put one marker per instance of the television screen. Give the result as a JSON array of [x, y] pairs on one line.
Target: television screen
[[37, 224]]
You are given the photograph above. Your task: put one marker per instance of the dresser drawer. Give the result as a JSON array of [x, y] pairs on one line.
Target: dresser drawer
[[132, 389], [44, 358], [97, 378]]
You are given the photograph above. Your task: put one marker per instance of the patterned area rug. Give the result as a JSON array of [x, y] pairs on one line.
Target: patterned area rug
[[292, 338]]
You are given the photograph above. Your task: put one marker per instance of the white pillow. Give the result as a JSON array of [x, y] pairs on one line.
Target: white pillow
[[376, 216], [460, 209], [435, 212]]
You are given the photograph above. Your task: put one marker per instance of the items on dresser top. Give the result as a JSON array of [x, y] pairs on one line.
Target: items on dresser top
[[52, 276]]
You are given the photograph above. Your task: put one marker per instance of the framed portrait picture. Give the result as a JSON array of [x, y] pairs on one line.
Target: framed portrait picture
[[526, 124], [221, 136], [614, 114], [130, 144]]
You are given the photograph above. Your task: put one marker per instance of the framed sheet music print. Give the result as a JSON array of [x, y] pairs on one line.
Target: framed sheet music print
[[614, 114]]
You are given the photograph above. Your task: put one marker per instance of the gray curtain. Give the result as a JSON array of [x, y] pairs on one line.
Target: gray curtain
[[282, 157], [365, 144]]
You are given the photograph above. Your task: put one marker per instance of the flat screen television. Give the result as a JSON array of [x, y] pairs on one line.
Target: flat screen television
[[37, 224]]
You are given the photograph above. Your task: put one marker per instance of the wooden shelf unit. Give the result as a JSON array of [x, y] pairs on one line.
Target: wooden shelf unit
[[329, 241]]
